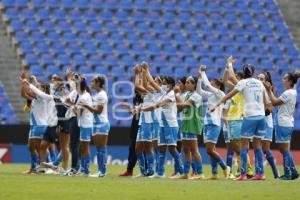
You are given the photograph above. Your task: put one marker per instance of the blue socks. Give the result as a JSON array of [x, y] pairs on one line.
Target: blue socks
[[186, 167], [193, 164], [85, 163], [286, 164], [102, 159], [34, 161], [156, 157], [229, 158], [178, 162], [220, 161], [161, 164], [150, 164], [244, 153], [58, 160], [271, 160], [259, 162], [214, 166], [52, 155], [141, 160], [199, 167]]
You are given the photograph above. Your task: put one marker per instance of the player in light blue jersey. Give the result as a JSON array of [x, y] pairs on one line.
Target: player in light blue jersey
[[101, 124], [285, 122]]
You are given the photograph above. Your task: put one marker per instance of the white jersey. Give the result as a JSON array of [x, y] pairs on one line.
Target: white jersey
[[169, 111], [157, 112], [52, 114], [39, 114], [101, 99], [179, 115], [253, 92], [146, 117], [287, 109], [213, 97], [86, 118]]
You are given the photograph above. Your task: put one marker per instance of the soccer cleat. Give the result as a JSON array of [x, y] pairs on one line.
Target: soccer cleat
[[226, 172], [213, 177], [50, 165], [97, 175], [30, 171], [242, 177], [197, 177], [174, 176], [284, 178], [71, 172], [157, 176], [258, 177], [294, 176], [184, 176], [139, 176], [231, 177], [126, 174]]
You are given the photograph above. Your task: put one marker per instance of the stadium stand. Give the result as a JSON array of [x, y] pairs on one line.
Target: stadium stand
[[7, 114], [175, 36]]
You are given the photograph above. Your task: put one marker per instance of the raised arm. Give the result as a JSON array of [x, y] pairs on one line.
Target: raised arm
[[40, 93], [150, 79], [275, 101], [138, 85]]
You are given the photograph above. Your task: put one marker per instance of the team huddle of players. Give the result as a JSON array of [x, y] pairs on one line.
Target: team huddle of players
[[172, 117]]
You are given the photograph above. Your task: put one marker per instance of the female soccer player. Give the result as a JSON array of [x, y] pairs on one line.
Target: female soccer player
[[285, 122], [101, 124], [49, 135], [254, 123], [192, 124], [266, 141], [168, 121], [38, 119], [233, 118], [85, 122], [212, 120], [144, 136]]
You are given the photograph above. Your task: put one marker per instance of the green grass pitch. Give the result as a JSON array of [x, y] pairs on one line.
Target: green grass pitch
[[15, 185]]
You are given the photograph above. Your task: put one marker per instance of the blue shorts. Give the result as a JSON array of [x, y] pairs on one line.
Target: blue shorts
[[50, 134], [254, 127], [86, 134], [234, 129], [283, 134], [211, 133], [225, 134], [155, 131], [179, 135], [37, 131], [144, 133], [168, 136], [269, 134], [101, 129], [189, 136]]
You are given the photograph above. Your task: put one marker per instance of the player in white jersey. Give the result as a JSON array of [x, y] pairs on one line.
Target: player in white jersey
[[50, 134], [38, 120], [145, 132], [254, 124], [212, 120], [266, 141], [101, 124], [285, 122], [85, 123], [168, 121]]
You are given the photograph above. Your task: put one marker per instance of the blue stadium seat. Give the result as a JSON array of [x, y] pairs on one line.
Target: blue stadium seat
[[63, 59], [22, 36], [37, 36], [58, 15], [36, 70], [74, 15], [32, 25], [57, 48], [27, 47], [42, 47], [37, 3], [53, 69], [48, 25], [47, 59], [12, 14], [16, 25], [79, 59], [101, 70]]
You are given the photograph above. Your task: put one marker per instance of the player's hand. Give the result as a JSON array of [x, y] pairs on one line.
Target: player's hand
[[136, 69], [176, 89], [268, 86], [82, 104], [125, 105], [24, 74], [202, 68], [25, 82], [145, 66]]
